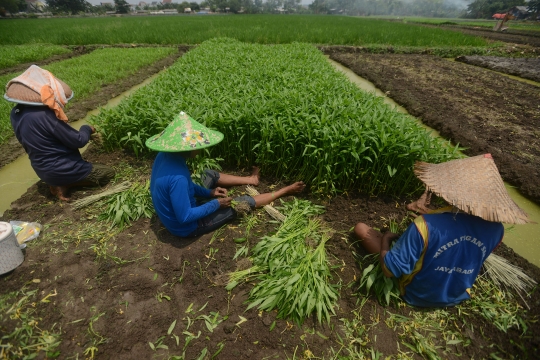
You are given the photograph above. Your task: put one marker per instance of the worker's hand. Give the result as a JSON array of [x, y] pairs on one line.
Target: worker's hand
[[218, 192], [93, 129], [224, 202]]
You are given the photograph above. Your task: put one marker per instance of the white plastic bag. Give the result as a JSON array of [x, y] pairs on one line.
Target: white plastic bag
[[25, 231]]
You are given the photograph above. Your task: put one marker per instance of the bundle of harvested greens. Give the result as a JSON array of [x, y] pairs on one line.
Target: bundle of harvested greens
[[292, 267]]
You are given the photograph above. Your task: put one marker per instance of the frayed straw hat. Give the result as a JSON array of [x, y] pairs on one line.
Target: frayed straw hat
[[473, 185], [184, 134]]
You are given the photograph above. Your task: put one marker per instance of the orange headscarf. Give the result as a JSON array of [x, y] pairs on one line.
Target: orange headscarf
[[44, 83]]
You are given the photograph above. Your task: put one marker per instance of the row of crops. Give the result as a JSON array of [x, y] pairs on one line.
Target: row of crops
[[286, 109], [265, 29], [88, 73], [11, 55]]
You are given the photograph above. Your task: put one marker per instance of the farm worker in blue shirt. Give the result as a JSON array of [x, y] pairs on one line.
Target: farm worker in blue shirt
[[40, 125], [439, 256], [174, 193]]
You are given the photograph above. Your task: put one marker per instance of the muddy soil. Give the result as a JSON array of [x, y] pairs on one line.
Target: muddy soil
[[528, 68], [483, 111], [150, 278], [77, 109]]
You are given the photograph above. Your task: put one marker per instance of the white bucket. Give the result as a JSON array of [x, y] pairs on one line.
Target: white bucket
[[11, 254]]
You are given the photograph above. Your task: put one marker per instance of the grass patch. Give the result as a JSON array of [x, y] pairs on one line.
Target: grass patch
[[11, 55], [88, 73], [264, 29]]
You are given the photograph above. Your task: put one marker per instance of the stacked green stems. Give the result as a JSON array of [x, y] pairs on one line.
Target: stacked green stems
[[295, 273], [87, 74], [286, 109]]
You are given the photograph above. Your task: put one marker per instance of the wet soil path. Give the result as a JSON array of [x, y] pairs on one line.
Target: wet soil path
[[483, 111]]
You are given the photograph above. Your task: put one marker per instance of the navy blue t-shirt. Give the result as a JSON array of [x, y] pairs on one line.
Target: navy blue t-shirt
[[439, 256], [51, 144]]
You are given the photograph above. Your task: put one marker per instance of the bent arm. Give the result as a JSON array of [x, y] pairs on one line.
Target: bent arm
[[182, 205], [402, 259], [70, 137], [201, 191], [385, 247]]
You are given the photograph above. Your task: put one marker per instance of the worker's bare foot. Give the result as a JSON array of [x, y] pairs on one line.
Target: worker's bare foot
[[295, 188], [421, 205], [417, 208], [60, 192], [254, 177]]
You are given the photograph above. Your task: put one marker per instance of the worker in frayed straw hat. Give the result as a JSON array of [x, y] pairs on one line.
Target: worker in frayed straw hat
[[174, 193], [439, 256], [40, 125]]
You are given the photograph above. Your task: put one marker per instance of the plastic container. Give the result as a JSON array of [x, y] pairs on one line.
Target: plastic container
[[11, 254]]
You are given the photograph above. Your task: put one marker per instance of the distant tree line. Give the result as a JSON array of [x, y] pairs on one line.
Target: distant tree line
[[427, 8], [73, 7], [424, 8], [12, 6]]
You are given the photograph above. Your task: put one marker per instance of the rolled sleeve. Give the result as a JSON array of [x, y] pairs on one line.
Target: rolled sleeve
[[406, 252]]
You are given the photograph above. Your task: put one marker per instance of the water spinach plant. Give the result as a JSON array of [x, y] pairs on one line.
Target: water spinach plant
[[292, 270], [129, 205], [11, 55], [285, 108]]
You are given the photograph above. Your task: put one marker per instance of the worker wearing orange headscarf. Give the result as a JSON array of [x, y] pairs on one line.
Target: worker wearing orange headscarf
[[40, 125]]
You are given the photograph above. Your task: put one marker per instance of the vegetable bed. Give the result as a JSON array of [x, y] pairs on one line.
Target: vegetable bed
[[286, 109], [11, 55]]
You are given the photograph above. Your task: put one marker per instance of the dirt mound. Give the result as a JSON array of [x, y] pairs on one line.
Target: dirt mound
[[528, 68]]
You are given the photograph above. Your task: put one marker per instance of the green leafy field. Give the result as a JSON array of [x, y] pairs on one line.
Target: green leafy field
[[88, 73], [264, 29], [285, 108], [11, 55]]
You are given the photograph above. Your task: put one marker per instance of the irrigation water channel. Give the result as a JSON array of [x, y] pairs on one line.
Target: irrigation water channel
[[18, 176]]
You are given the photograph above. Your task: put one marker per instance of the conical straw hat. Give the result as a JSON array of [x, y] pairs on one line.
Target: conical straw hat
[[474, 186], [184, 134]]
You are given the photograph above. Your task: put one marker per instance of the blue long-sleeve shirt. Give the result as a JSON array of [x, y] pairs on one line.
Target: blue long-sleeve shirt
[[51, 144], [173, 195]]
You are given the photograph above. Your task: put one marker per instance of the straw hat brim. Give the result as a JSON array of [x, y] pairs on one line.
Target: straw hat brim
[[184, 134], [473, 185], [22, 94]]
